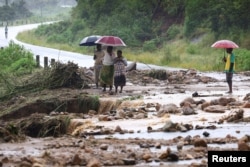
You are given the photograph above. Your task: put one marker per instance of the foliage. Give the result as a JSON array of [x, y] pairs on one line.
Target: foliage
[[149, 46], [221, 16], [16, 10], [242, 59], [16, 59], [173, 31], [164, 32]]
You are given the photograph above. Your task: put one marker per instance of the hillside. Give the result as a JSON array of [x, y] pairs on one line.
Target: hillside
[[159, 32]]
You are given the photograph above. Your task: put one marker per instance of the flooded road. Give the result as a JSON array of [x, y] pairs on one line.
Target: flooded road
[[145, 148]]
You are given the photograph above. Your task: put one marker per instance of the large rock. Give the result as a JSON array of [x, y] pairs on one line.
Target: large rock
[[167, 109], [169, 126], [215, 109]]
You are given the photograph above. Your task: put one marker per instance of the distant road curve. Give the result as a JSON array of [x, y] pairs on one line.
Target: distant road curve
[[59, 55]]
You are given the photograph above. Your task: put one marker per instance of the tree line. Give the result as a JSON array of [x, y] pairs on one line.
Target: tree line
[[141, 22], [14, 11]]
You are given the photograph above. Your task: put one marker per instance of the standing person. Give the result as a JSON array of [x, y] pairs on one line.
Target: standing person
[[6, 31], [98, 57], [229, 68], [107, 71], [120, 64]]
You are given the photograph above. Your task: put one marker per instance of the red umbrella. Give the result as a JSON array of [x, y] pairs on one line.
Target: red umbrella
[[225, 44], [111, 41]]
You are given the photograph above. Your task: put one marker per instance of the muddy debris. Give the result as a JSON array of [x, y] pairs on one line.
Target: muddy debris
[[64, 122]]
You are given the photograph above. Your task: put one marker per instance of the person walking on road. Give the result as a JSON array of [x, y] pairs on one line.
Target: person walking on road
[[6, 31]]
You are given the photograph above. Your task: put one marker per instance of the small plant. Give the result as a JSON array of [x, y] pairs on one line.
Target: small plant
[[149, 46]]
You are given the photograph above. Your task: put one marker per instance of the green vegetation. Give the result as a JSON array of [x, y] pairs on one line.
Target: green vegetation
[[16, 12], [16, 59], [167, 33], [15, 62]]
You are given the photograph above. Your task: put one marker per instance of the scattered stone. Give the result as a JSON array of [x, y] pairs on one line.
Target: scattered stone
[[234, 116], [189, 157], [163, 155], [181, 128], [146, 157], [187, 109], [103, 118], [104, 147], [200, 143], [149, 129], [158, 145], [245, 138], [246, 104], [118, 129], [206, 134], [242, 146], [180, 145], [168, 108], [247, 97], [169, 126], [129, 161], [76, 160], [173, 157], [215, 109], [188, 139], [94, 163]]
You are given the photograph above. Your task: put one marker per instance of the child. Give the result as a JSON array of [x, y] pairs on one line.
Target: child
[[120, 64]]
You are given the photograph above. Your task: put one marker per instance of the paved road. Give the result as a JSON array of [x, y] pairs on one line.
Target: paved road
[[58, 55]]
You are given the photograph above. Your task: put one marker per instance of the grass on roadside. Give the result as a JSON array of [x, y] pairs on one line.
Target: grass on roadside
[[179, 53]]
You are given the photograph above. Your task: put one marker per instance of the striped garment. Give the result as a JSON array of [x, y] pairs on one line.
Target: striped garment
[[120, 68]]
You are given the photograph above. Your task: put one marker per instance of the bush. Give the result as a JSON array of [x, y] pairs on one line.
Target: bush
[[169, 57], [173, 31], [192, 49], [149, 46], [242, 60], [15, 59]]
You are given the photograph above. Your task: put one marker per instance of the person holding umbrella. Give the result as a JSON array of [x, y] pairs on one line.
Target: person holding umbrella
[[229, 60], [229, 68], [107, 71], [98, 58]]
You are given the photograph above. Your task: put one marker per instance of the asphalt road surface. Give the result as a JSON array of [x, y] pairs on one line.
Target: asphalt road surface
[[58, 55]]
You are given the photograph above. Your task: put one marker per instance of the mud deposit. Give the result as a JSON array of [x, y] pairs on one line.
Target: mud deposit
[[156, 121]]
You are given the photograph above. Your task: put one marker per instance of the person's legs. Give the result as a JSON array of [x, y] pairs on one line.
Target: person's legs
[[121, 89], [116, 87], [97, 70], [104, 87], [229, 76], [110, 88]]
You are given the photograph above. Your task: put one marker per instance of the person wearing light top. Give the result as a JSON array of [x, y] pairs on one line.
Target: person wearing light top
[[107, 71], [229, 68], [98, 57]]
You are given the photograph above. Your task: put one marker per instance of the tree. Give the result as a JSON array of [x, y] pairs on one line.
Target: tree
[[20, 9]]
